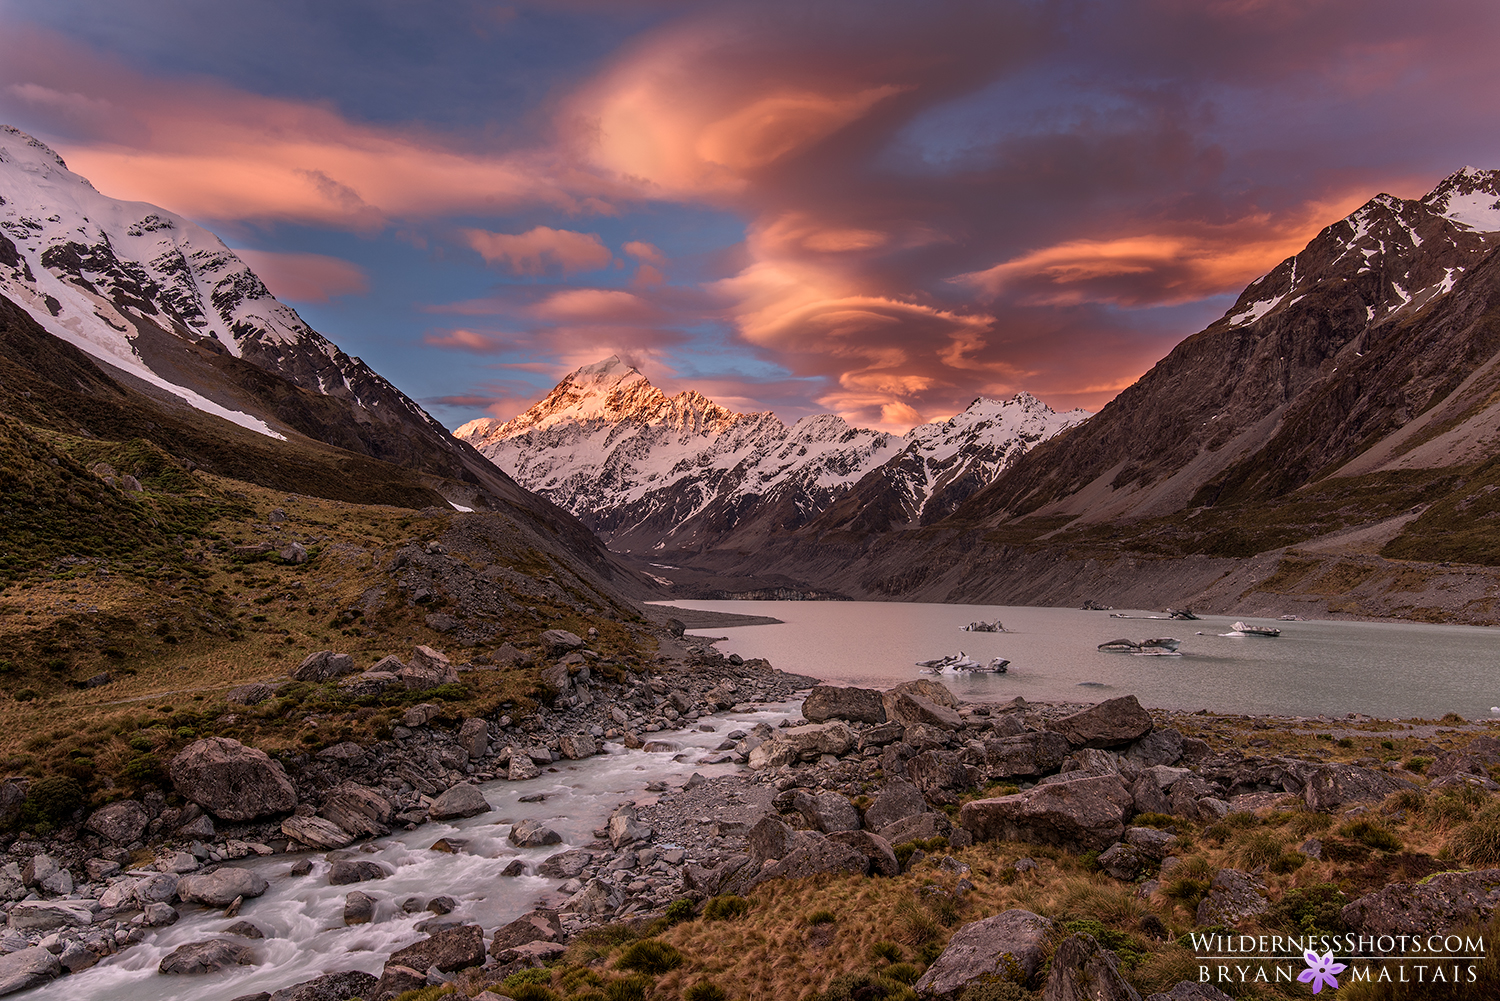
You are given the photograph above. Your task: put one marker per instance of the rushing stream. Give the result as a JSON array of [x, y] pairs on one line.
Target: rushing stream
[[302, 917]]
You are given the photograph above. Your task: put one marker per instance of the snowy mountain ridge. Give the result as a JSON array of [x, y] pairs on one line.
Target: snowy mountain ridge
[[651, 471]]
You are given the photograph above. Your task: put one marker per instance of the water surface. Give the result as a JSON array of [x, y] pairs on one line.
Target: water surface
[[1390, 670]]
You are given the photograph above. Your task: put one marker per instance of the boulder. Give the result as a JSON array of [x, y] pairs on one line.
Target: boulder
[[560, 641], [120, 822], [595, 900], [941, 774], [808, 742], [230, 780], [813, 854], [46, 915], [1474, 758], [1084, 813], [826, 812], [858, 705], [1122, 862], [565, 865], [462, 800], [875, 848], [897, 801], [359, 908], [453, 948], [346, 871], [533, 834], [912, 709], [330, 987], [220, 887], [1159, 747], [1150, 842], [27, 968], [158, 887], [325, 665], [625, 827], [521, 768], [358, 810], [1024, 755], [316, 832], [919, 827], [474, 738], [1083, 970], [1232, 897], [1109, 724], [540, 925], [249, 695], [1330, 786], [770, 838], [932, 691], [1011, 945], [206, 957], [1431, 907], [576, 746]]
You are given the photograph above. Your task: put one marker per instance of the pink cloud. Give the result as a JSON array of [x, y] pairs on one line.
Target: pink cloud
[[541, 250], [462, 339], [305, 277], [647, 252], [595, 305]]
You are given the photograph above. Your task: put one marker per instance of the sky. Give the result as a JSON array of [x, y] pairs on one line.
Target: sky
[[878, 209]]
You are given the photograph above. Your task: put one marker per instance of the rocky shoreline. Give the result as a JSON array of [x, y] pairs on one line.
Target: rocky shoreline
[[866, 784]]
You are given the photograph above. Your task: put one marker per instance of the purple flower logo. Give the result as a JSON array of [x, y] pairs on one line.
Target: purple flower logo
[[1321, 971]]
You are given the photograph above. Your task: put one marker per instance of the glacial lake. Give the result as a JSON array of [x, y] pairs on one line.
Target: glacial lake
[[1388, 670]]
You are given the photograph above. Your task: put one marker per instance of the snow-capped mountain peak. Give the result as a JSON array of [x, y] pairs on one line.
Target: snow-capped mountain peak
[[1470, 197], [647, 470]]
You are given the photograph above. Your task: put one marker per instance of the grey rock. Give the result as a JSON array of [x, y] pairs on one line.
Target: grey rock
[[206, 957], [463, 800], [913, 709], [428, 668], [359, 908], [826, 812], [1122, 862], [77, 957], [1109, 724], [330, 987], [565, 865], [875, 848], [919, 827], [1083, 970], [1150, 842], [540, 925], [249, 695], [230, 780], [1330, 786], [27, 968], [220, 887], [1434, 906], [1232, 897], [358, 810], [560, 641], [1011, 945], [38, 868], [576, 746], [316, 832], [770, 838], [346, 871], [474, 738], [1159, 747], [533, 834], [625, 828], [244, 929], [46, 915], [1084, 813], [454, 948], [325, 665], [897, 801], [860, 705], [156, 888], [940, 775], [159, 915], [1024, 755], [813, 854], [522, 768], [120, 822]]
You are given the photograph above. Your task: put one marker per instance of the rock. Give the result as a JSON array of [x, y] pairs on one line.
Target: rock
[[450, 949], [358, 810], [859, 705], [560, 641], [1474, 758], [522, 768], [120, 822], [419, 715], [77, 957], [45, 915], [533, 834], [330, 987], [249, 695], [1011, 945], [1122, 862], [812, 854], [770, 838], [38, 869], [576, 746], [932, 691], [325, 665], [157, 887], [565, 865], [294, 552], [244, 929], [913, 709], [316, 832], [1232, 897], [531, 955], [897, 801], [826, 812], [1191, 990], [873, 847], [597, 899], [428, 669], [474, 738], [1024, 755], [1312, 848], [463, 800], [625, 828], [1150, 842], [346, 871], [1083, 970], [1433, 906], [59, 884], [1086, 813], [1109, 724], [359, 908], [540, 925], [220, 887], [1159, 747], [558, 678], [199, 828], [301, 867], [802, 742], [919, 827], [1331, 786], [230, 780], [27, 968], [205, 957], [941, 774], [178, 862]]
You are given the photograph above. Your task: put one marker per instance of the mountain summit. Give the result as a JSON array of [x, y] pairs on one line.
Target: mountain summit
[[650, 471]]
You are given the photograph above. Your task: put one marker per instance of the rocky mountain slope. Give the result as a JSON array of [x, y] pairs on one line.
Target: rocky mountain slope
[[651, 472], [163, 306]]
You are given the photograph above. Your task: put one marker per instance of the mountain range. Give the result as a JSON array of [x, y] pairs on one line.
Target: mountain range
[[651, 472]]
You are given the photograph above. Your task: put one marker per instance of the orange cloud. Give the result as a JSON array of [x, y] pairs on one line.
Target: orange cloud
[[541, 250], [305, 277], [465, 340], [647, 252], [594, 304]]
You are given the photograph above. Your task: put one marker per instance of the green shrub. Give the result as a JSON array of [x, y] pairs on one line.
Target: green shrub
[[1310, 910], [866, 987], [678, 911], [632, 988], [1417, 764], [649, 955], [1346, 742], [726, 908], [1157, 820], [888, 951], [904, 973], [1130, 949], [705, 991], [993, 989], [534, 992], [26, 695], [533, 976], [1260, 848], [1373, 834], [1478, 842], [1288, 862], [52, 800], [822, 918]]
